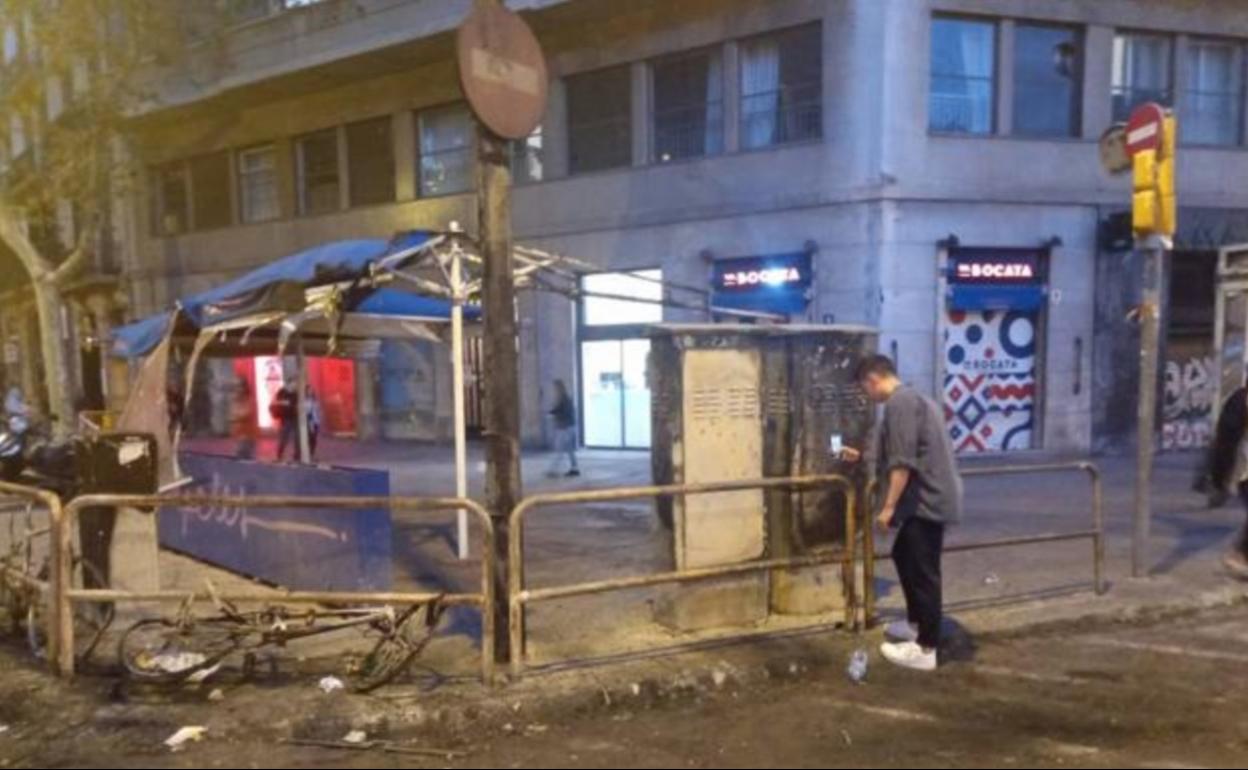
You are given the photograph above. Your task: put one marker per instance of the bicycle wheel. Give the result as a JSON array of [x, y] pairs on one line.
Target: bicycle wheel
[[400, 644], [161, 650]]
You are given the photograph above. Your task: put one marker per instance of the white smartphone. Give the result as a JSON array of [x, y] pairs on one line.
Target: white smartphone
[[836, 444]]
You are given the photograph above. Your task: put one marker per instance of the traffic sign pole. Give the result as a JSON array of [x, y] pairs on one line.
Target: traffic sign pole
[[1150, 142]]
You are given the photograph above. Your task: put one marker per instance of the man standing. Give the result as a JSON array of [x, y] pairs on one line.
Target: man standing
[[922, 493], [284, 409]]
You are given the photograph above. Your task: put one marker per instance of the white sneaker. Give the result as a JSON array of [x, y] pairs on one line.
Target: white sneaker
[[1236, 565], [902, 631], [909, 655]]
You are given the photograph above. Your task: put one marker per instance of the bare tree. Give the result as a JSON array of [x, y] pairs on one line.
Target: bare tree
[[71, 73]]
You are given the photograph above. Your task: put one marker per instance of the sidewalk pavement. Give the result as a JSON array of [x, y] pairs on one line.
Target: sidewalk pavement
[[996, 590]]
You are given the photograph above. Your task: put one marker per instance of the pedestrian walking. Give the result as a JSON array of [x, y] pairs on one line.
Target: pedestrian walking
[[1228, 473], [315, 419], [285, 411], [564, 415], [922, 495], [243, 422]]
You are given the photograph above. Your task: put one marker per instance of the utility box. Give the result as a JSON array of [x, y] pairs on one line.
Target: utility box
[[735, 402]]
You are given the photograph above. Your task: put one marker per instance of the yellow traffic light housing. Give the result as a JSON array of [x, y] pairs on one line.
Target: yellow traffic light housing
[[1144, 197], [1154, 203]]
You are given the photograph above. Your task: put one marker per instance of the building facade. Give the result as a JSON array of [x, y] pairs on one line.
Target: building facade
[[927, 167]]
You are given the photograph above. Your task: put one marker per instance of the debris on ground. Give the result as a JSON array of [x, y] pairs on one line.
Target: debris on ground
[[857, 669], [185, 735], [991, 579], [385, 746], [331, 684], [355, 737], [216, 695]]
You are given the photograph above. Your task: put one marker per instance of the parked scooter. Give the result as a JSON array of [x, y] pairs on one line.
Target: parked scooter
[[31, 457]]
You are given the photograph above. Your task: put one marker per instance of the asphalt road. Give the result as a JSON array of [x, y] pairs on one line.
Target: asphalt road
[[1168, 694]]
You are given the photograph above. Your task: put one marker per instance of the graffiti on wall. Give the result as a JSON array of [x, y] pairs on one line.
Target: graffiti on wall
[[1187, 406], [990, 380]]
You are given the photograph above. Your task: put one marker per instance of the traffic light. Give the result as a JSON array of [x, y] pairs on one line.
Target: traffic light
[[1154, 204], [1144, 196], [1167, 201]]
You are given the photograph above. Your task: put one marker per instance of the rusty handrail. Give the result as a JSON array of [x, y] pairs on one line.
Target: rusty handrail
[[1096, 533], [59, 565], [519, 596], [64, 595]]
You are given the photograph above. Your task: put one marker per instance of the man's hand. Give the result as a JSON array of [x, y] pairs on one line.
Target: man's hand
[[850, 455], [885, 519]]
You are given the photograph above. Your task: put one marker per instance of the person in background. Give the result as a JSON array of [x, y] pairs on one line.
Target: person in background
[[284, 410], [564, 415], [1228, 473], [922, 494], [315, 420], [243, 424]]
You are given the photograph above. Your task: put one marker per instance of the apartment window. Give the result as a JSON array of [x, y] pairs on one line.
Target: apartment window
[[1213, 97], [11, 43], [963, 76], [17, 134], [527, 158], [317, 163], [54, 96], [1047, 74], [688, 115], [600, 132], [782, 87], [172, 210], [447, 149], [1141, 72], [370, 161], [210, 191], [257, 184]]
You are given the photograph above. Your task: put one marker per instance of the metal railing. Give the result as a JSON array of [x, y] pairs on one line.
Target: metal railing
[[1096, 534], [60, 567], [64, 595], [520, 596]]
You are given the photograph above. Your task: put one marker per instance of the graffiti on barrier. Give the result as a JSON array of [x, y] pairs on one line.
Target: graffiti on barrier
[[1187, 407]]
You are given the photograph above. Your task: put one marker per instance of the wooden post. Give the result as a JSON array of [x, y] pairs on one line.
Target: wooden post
[[502, 388]]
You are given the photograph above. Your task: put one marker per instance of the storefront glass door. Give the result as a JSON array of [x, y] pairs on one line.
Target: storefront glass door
[[615, 398], [617, 401]]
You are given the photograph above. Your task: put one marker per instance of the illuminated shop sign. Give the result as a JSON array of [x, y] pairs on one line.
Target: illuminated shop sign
[[996, 279], [779, 283], [986, 266]]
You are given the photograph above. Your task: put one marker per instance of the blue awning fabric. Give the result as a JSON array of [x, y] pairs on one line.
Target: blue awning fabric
[[327, 263]]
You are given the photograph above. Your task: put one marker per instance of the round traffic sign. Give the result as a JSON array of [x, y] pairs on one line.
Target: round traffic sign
[[502, 70], [1144, 128]]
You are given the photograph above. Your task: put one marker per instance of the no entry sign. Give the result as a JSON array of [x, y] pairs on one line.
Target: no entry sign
[[502, 70], [1145, 127]]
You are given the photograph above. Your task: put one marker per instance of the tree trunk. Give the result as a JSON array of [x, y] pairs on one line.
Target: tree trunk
[[50, 306]]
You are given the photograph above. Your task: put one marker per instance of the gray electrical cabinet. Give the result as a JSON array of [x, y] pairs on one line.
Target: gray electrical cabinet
[[732, 402]]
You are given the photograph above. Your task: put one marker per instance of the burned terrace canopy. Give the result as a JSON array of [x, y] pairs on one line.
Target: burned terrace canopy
[[296, 291]]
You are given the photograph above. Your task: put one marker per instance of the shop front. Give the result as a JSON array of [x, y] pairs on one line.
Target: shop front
[[615, 397], [991, 347], [331, 380]]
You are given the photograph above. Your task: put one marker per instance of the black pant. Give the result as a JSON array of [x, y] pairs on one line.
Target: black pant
[[916, 552], [1241, 539], [286, 437]]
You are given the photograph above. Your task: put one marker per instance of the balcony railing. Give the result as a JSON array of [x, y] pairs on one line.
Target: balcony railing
[[689, 131], [788, 114]]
